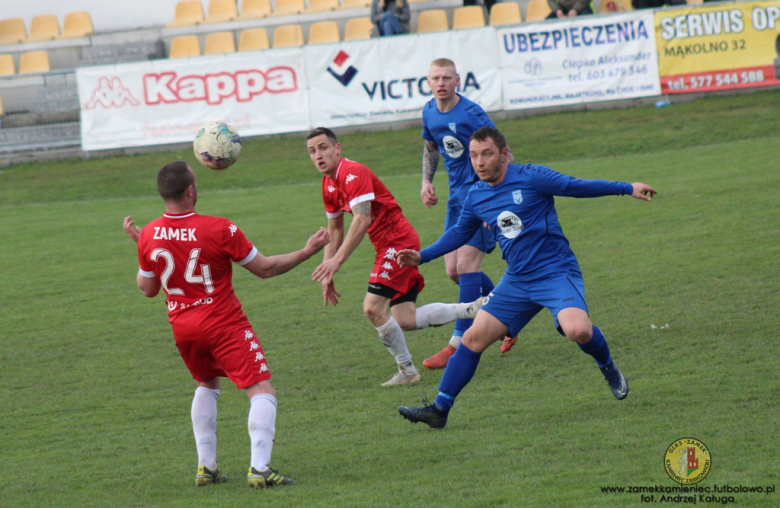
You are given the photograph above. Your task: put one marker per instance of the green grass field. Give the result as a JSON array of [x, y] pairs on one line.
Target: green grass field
[[95, 399]]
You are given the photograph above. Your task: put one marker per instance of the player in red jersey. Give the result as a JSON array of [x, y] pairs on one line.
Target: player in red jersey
[[190, 256], [392, 290]]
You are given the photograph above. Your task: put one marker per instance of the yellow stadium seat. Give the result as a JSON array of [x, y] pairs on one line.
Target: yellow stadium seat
[[253, 9], [7, 67], [324, 32], [322, 5], [288, 35], [471, 16], [694, 2], [188, 13], [434, 20], [355, 4], [34, 61], [185, 46], [220, 43], [537, 10], [358, 29], [12, 31], [289, 7], [44, 28], [253, 39], [77, 24], [505, 13], [221, 11], [615, 6]]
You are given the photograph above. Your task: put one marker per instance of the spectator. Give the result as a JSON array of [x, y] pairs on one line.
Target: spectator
[[570, 8], [391, 17]]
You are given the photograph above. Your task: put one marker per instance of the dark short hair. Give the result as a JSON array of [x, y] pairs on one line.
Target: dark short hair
[[490, 132], [173, 180], [319, 131]]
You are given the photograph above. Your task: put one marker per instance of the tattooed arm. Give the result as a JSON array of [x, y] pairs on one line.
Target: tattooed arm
[[357, 230], [429, 163]]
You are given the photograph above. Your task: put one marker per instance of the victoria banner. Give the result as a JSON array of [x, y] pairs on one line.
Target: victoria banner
[[587, 59], [384, 80], [734, 45], [167, 101]]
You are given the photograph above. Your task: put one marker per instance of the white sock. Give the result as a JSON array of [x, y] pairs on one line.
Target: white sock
[[393, 338], [437, 314], [262, 429], [455, 341], [204, 425]]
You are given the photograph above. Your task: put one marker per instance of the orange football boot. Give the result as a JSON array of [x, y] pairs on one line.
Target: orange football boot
[[508, 343], [440, 359]]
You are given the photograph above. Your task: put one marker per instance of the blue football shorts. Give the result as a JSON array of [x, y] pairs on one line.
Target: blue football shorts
[[483, 239], [515, 303]]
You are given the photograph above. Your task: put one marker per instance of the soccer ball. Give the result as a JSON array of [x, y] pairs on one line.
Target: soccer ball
[[217, 145]]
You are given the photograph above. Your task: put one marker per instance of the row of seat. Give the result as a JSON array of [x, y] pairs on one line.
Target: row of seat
[[190, 12], [29, 62], [45, 28]]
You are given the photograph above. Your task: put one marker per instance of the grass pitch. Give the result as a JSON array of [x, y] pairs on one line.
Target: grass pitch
[[95, 402]]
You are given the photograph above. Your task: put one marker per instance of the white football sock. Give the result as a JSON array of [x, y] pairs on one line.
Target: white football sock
[[437, 314], [204, 425], [393, 338], [455, 341], [262, 429]]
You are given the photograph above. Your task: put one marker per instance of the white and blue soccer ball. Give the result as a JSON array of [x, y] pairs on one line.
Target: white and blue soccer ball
[[217, 145]]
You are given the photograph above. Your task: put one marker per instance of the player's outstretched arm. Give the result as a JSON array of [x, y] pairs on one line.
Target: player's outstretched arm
[[271, 266], [643, 191], [133, 232], [408, 257], [429, 164], [357, 230]]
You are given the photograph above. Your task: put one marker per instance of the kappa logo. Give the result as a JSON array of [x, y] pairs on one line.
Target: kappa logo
[[331, 188], [350, 177], [344, 76], [390, 254], [384, 275], [233, 228], [111, 93]]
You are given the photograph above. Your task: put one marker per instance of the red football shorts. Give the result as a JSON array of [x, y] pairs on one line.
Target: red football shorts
[[386, 270], [235, 354]]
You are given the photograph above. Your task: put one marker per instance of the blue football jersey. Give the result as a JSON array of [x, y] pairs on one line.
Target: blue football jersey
[[521, 212], [451, 132]]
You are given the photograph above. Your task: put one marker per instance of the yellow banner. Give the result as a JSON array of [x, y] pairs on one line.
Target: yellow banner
[[716, 47]]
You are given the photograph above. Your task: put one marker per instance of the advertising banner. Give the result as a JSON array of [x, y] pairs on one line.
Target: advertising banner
[[718, 47], [384, 80], [588, 59], [167, 101]]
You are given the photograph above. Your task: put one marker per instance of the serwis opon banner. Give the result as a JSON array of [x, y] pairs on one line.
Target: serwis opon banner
[[589, 59], [167, 101]]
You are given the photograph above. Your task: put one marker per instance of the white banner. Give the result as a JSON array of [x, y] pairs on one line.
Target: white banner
[[384, 80], [167, 101], [588, 59]]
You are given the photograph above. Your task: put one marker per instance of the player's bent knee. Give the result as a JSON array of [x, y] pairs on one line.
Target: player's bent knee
[[452, 273], [580, 334], [377, 316]]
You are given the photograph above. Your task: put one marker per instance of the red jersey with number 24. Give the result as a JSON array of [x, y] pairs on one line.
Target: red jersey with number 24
[[192, 255]]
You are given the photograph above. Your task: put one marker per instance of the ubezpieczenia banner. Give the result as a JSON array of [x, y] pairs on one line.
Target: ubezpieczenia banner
[[723, 46], [167, 101], [384, 80], [588, 59]]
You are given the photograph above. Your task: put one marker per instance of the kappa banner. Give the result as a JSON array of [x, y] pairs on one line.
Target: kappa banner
[[167, 101], [587, 59], [384, 80], [719, 47]]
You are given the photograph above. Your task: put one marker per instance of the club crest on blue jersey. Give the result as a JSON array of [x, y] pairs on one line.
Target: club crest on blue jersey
[[454, 127], [517, 196]]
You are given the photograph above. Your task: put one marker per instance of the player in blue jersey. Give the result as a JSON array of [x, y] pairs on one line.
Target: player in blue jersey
[[516, 200], [449, 119]]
